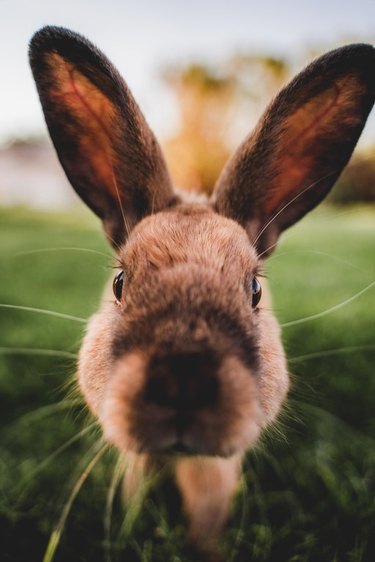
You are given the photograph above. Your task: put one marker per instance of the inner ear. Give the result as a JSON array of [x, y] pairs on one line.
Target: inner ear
[[109, 154], [90, 111], [301, 153], [302, 143]]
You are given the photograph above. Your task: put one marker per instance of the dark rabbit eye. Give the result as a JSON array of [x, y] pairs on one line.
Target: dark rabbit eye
[[256, 289], [118, 283]]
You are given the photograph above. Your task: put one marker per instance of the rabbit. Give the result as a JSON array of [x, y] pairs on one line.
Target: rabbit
[[183, 364]]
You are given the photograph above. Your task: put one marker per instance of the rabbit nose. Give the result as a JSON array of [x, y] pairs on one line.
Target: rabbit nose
[[183, 381]]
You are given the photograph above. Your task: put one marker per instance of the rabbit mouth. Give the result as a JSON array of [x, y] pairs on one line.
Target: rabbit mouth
[[181, 450], [178, 449]]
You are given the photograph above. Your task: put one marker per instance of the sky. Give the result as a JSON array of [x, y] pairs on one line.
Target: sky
[[143, 36]]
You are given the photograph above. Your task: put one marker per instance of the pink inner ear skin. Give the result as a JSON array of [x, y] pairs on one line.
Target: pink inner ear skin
[[86, 104], [314, 118], [94, 114], [297, 161]]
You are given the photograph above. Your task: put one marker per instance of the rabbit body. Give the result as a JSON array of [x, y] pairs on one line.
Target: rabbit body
[[184, 363]]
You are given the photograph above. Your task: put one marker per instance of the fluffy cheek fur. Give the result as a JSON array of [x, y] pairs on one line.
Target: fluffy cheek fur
[[274, 381], [95, 360]]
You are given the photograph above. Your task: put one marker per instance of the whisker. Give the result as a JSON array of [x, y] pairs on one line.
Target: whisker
[[291, 234], [117, 263], [317, 252], [121, 207], [270, 221], [116, 245], [268, 249], [37, 351], [336, 259], [58, 530], [329, 310], [331, 352], [62, 249], [45, 311], [339, 423], [43, 411]]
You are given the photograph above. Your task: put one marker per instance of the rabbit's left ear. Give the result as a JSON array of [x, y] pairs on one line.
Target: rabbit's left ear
[[104, 144], [305, 138]]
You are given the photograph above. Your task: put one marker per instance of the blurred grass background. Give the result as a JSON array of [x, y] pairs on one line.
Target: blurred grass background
[[308, 491]]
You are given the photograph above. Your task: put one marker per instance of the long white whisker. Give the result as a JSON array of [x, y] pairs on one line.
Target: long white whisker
[[36, 351], [270, 221], [319, 253], [277, 243], [121, 207], [113, 241], [337, 421], [268, 249], [46, 411], [329, 310], [331, 352], [45, 311], [62, 249]]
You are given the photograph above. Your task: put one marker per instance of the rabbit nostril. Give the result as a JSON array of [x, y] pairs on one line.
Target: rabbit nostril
[[184, 381]]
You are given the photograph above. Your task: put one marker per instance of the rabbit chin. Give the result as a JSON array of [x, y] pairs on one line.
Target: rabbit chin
[[229, 426]]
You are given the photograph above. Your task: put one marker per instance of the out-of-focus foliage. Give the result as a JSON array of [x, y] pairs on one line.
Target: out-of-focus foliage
[[199, 148], [218, 106], [357, 183], [307, 492]]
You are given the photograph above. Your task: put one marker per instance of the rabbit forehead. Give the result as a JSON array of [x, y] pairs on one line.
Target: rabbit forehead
[[189, 233]]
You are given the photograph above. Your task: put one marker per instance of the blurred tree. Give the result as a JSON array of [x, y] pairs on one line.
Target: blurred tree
[[220, 104], [199, 148], [218, 107], [257, 78], [357, 183]]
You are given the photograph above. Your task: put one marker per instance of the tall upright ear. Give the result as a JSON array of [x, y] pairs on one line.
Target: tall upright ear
[[303, 141], [103, 142]]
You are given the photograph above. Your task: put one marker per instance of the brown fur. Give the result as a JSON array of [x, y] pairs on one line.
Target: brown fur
[[184, 360], [170, 256], [86, 103], [183, 269]]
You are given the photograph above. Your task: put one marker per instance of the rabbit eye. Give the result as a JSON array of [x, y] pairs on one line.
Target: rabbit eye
[[118, 283], [256, 289]]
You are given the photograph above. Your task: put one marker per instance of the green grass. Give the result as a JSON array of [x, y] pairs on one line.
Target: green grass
[[308, 491]]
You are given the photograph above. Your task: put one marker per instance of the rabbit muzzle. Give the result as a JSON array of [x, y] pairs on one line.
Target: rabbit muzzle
[[187, 405], [187, 382]]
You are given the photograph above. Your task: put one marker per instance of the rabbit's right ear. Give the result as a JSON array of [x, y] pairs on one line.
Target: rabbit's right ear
[[305, 138], [104, 144]]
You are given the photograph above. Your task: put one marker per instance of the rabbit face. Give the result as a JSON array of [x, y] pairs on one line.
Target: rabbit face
[[184, 361], [185, 369]]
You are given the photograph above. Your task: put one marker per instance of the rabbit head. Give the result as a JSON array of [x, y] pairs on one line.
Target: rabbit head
[[185, 357]]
